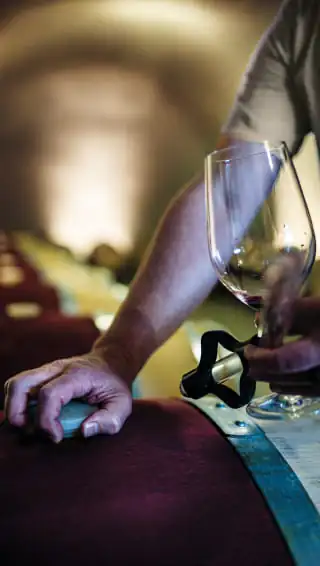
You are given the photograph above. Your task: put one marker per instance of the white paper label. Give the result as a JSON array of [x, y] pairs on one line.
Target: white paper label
[[299, 444]]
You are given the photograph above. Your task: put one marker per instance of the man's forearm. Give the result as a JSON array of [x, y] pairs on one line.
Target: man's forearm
[[177, 273], [174, 278]]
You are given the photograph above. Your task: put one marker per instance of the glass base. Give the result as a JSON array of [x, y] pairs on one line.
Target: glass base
[[284, 407]]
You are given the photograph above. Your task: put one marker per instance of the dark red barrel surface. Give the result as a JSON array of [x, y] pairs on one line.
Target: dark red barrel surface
[[168, 490]]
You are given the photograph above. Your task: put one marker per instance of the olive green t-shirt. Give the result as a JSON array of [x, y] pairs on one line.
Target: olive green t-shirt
[[279, 99]]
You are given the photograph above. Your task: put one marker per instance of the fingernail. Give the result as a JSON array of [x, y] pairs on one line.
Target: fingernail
[[116, 425], [91, 429]]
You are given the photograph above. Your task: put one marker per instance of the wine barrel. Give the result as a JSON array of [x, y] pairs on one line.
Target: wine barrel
[[44, 296], [169, 489], [10, 262]]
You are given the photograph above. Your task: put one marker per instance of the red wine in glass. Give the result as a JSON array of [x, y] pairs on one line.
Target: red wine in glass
[[256, 214]]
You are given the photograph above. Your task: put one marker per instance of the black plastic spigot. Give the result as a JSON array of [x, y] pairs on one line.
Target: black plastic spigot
[[201, 381]]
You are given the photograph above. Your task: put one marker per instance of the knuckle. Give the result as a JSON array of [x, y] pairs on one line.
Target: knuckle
[[12, 385], [45, 394], [7, 385], [57, 365]]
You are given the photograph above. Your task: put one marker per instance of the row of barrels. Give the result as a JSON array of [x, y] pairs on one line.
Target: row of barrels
[[33, 326]]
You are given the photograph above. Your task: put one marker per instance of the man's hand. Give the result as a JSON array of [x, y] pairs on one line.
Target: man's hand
[[88, 377], [291, 368]]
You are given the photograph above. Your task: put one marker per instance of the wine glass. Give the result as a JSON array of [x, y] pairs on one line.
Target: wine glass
[[256, 212]]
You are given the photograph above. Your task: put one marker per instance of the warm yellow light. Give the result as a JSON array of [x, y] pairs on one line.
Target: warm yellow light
[[103, 321], [186, 17], [96, 164], [87, 196], [98, 152], [68, 21]]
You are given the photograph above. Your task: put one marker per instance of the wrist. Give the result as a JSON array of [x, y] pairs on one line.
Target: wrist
[[117, 360], [127, 344]]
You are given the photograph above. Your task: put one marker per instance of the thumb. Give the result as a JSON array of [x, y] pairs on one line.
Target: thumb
[[110, 418]]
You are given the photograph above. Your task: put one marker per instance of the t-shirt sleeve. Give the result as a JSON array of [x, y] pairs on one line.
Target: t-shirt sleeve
[[269, 105]]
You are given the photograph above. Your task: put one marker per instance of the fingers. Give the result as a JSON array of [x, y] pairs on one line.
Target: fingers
[[57, 384], [111, 416], [79, 381], [75, 382], [305, 315], [18, 388], [292, 358]]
